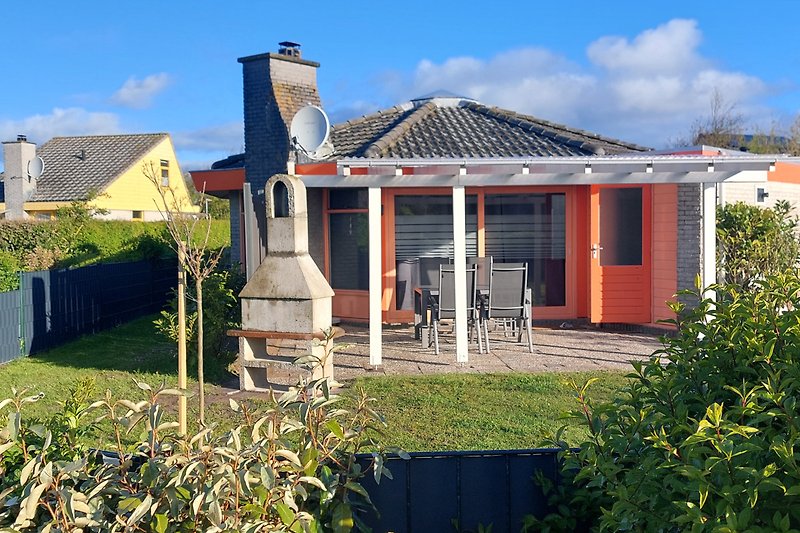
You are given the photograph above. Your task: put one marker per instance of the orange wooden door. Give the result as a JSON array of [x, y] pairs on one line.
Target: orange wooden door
[[620, 272]]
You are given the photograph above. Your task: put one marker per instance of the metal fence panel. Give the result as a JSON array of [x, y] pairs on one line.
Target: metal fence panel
[[459, 491], [9, 326], [56, 306]]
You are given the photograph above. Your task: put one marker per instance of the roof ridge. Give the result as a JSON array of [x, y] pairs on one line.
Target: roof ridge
[[155, 134], [546, 128], [364, 118], [381, 145]]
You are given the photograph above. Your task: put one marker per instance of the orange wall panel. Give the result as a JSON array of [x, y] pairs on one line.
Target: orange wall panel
[[785, 173], [582, 250], [665, 249]]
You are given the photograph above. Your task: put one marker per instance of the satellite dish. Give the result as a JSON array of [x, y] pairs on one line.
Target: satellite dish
[[310, 129], [35, 167]]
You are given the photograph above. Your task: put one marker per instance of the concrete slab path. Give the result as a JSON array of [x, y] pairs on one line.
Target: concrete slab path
[[555, 350]]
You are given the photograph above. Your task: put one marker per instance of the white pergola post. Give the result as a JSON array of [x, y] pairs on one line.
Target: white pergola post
[[375, 278], [709, 259], [460, 268]]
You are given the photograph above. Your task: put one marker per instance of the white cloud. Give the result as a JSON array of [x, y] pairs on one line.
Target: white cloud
[[61, 122], [669, 48], [648, 89], [139, 94]]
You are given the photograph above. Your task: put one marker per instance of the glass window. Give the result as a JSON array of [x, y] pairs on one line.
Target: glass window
[[349, 241], [530, 228], [424, 229], [347, 199], [164, 173], [621, 226]]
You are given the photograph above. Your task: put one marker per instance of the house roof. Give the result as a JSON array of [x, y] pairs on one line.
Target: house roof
[[451, 126], [77, 166]]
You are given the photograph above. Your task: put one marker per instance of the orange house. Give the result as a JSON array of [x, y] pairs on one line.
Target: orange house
[[609, 229]]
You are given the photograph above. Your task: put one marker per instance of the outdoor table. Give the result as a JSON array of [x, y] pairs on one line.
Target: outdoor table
[[422, 310]]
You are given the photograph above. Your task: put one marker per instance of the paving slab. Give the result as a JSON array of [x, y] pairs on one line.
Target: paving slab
[[556, 349]]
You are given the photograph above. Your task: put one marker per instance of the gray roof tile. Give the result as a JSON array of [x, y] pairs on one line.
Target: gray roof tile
[[75, 167], [461, 128]]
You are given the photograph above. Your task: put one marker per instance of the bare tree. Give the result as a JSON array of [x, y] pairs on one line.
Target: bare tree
[[190, 233], [723, 127], [793, 147]]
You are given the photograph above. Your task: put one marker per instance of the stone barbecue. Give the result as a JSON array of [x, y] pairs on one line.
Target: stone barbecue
[[286, 304]]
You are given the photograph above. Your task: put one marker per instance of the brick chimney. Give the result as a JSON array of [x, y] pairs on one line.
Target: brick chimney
[[276, 86], [18, 184]]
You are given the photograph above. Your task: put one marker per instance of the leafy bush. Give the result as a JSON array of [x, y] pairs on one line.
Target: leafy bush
[[220, 292], [754, 242], [706, 436], [75, 240], [289, 468], [9, 266]]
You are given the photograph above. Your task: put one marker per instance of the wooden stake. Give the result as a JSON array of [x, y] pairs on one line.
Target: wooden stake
[[181, 341]]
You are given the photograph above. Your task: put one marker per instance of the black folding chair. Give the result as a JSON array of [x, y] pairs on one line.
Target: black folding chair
[[509, 299], [429, 270], [444, 307]]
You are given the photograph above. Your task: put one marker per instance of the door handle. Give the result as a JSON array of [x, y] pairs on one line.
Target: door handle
[[595, 250]]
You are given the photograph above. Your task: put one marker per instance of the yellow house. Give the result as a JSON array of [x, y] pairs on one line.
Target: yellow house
[[113, 173]]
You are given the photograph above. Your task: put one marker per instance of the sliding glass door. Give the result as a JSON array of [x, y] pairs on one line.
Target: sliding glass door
[[530, 228], [423, 229]]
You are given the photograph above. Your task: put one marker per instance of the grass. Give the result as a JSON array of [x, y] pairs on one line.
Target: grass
[[115, 359], [442, 412], [481, 412]]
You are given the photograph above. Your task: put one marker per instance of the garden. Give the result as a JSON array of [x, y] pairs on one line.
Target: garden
[[702, 437]]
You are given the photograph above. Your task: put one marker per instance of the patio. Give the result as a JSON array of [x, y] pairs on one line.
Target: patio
[[556, 349]]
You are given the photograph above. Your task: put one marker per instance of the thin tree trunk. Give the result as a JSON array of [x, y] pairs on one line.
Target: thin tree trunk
[[200, 378]]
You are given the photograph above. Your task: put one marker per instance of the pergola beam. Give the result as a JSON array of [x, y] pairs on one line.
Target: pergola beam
[[516, 180]]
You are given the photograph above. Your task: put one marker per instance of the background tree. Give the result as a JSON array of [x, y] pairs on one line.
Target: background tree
[[190, 234], [723, 127], [794, 137]]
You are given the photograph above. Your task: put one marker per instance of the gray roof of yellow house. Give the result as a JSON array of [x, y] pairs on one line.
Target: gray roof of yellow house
[[76, 167], [451, 126]]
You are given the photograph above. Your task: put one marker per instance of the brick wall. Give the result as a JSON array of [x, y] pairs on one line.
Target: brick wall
[[746, 192], [690, 227], [275, 88]]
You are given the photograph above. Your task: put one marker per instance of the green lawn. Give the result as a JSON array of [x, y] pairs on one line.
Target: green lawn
[[115, 359], [476, 412], [443, 412]]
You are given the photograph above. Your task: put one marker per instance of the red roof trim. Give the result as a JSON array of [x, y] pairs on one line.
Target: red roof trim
[[231, 179]]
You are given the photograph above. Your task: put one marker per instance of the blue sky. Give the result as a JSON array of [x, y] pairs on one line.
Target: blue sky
[[640, 71]]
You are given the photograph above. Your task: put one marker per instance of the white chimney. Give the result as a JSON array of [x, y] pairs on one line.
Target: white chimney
[[19, 184]]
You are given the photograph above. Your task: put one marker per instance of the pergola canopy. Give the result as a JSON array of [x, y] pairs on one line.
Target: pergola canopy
[[632, 169], [458, 174]]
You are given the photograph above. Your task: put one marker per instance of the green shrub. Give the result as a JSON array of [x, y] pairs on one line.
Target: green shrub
[[221, 313], [289, 468], [9, 268], [75, 240], [753, 242], [707, 435]]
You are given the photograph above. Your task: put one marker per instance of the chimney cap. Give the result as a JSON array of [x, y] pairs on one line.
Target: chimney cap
[[22, 138], [288, 48]]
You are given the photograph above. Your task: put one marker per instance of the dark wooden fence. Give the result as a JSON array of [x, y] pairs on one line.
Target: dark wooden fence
[[55, 306], [460, 491]]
